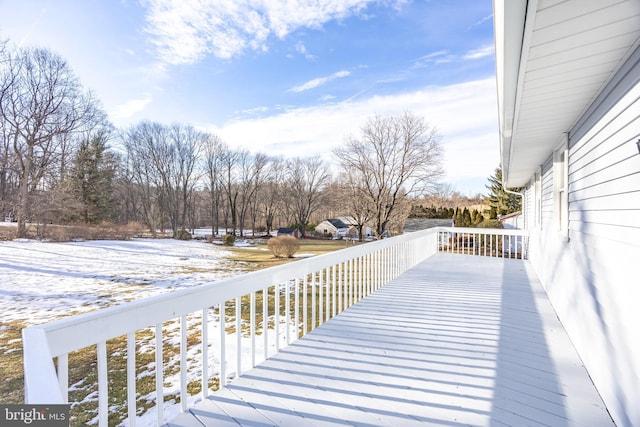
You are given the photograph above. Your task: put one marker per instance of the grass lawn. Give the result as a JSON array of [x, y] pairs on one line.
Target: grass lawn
[[259, 256]]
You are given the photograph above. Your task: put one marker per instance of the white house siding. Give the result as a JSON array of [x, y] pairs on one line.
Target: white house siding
[[592, 279]]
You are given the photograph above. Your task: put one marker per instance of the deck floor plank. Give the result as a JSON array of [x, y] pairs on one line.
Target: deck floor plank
[[455, 341]]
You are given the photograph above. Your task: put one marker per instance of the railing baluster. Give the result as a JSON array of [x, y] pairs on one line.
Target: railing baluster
[[305, 288], [223, 339], [131, 378], [265, 321], [510, 240], [370, 266], [359, 278], [183, 363], [277, 315], [320, 298], [296, 308], [103, 385], [333, 291], [287, 312], [159, 374], [328, 294], [252, 327], [205, 353], [340, 288], [313, 301], [351, 282], [238, 337]]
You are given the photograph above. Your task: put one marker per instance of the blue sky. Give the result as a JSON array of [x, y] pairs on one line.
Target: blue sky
[[286, 77]]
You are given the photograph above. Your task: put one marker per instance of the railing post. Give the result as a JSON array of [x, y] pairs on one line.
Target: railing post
[[40, 379]]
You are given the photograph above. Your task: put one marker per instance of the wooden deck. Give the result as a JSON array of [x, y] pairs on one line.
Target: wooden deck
[[456, 341]]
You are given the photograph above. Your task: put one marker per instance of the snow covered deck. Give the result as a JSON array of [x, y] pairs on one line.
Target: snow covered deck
[[457, 340]]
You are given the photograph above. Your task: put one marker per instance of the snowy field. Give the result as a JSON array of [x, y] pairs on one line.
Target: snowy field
[[40, 282]]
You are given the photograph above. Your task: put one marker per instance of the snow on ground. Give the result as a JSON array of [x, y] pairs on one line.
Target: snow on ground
[[41, 281]]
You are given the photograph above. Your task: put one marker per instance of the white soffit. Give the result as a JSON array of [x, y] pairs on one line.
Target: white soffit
[[569, 50]]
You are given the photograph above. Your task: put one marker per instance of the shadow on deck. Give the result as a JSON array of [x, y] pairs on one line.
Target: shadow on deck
[[456, 341]]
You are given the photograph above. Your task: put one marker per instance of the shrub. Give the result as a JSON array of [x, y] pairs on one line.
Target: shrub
[[490, 223], [182, 234], [228, 239], [283, 246]]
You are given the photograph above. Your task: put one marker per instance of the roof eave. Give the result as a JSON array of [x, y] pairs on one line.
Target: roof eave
[[510, 17]]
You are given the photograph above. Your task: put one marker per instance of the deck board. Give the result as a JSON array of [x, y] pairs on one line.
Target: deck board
[[456, 341]]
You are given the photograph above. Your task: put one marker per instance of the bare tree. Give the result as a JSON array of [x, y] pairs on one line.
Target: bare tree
[[214, 154], [139, 142], [355, 201], [251, 177], [229, 179], [186, 148], [395, 157], [41, 103], [306, 178], [272, 196]]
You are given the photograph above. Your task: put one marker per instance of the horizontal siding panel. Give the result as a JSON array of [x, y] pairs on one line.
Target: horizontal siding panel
[[608, 172], [620, 129], [620, 148], [610, 232], [623, 218], [629, 200], [619, 116], [622, 185]]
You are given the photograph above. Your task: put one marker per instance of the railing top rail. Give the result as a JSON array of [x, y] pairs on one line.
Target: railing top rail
[[498, 231], [72, 333]]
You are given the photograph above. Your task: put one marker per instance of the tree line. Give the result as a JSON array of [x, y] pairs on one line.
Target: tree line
[[63, 162]]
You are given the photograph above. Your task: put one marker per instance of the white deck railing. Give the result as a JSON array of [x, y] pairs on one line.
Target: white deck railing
[[321, 287]]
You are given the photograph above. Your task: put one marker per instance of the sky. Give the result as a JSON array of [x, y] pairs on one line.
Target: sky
[[284, 77]]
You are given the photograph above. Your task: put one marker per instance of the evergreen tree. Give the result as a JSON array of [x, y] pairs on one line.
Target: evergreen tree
[[503, 202], [92, 180]]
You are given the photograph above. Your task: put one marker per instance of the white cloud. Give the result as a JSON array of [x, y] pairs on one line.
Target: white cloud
[[129, 108], [311, 84], [301, 49], [480, 53], [184, 31], [440, 56], [465, 115], [480, 22]]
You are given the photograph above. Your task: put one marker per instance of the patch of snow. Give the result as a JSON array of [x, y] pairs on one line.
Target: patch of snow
[[40, 282], [303, 255]]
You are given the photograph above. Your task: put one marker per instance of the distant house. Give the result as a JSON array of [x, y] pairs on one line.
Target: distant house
[[513, 221], [288, 232], [334, 227], [568, 76], [344, 226]]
